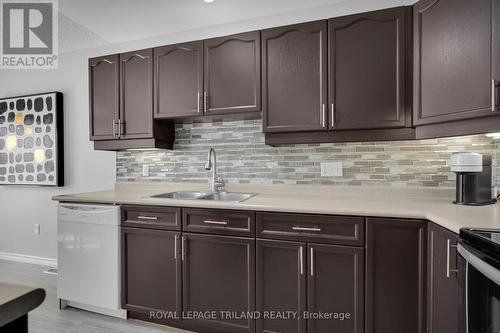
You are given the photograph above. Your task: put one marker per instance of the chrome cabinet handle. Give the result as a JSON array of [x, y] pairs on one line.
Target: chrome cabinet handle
[[323, 116], [120, 131], [183, 248], [205, 101], [301, 260], [332, 111], [493, 95], [448, 255], [176, 238], [198, 103], [114, 128], [315, 229], [151, 218], [312, 261], [215, 222]]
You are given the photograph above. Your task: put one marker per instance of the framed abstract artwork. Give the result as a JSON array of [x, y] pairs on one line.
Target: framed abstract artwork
[[31, 140]]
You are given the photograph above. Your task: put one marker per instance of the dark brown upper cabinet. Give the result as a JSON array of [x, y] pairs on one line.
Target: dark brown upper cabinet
[[104, 93], [121, 103], [232, 74], [442, 291], [395, 275], [368, 70], [178, 78], [294, 80], [151, 270], [335, 283], [136, 95], [457, 66]]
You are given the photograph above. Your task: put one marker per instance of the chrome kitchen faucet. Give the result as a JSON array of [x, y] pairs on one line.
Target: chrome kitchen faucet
[[217, 182]]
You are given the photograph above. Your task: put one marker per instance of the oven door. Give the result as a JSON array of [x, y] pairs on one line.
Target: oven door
[[479, 284]]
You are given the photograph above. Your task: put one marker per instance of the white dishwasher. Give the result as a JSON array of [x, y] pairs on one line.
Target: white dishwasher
[[88, 250]]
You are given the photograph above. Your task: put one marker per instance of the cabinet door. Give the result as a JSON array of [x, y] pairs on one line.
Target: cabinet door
[[281, 284], [219, 275], [335, 285], [104, 103], [178, 80], [367, 87], [136, 94], [454, 52], [232, 74], [442, 291], [395, 275], [294, 77], [151, 270]]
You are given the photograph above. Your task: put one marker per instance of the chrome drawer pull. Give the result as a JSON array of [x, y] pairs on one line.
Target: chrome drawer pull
[[151, 218], [215, 222], [315, 229]]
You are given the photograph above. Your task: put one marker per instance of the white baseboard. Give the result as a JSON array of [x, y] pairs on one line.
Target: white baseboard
[[28, 259]]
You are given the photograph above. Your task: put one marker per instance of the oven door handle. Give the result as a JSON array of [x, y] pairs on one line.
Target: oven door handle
[[486, 269]]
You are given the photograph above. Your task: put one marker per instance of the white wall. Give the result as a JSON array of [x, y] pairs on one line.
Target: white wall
[[86, 169]]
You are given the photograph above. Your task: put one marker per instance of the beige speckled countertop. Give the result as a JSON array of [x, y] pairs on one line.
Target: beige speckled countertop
[[419, 203]]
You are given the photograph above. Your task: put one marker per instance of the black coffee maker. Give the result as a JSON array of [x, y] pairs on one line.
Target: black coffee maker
[[474, 178]]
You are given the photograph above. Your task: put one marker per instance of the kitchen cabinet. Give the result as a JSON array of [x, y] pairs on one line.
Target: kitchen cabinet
[[136, 90], [335, 284], [219, 275], [294, 80], [456, 65], [365, 60], [232, 74], [151, 270], [121, 103], [395, 275], [104, 92], [281, 284], [333, 274], [178, 80], [369, 70], [442, 291]]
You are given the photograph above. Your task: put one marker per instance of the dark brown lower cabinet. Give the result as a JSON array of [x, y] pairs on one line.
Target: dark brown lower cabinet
[[395, 275], [151, 270], [333, 300], [442, 293], [281, 284], [219, 276], [335, 288]]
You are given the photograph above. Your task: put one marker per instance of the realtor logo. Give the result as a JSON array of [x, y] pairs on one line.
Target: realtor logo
[[29, 34]]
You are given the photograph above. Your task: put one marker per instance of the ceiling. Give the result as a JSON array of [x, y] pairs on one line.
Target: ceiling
[[91, 23], [119, 21]]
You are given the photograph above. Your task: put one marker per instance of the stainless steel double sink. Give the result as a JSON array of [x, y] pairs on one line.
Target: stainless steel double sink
[[198, 195]]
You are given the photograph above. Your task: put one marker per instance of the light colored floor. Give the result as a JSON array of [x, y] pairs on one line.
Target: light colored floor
[[47, 318]]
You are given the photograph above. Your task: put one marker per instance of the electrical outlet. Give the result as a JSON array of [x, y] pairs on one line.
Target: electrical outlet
[[145, 170], [37, 229], [331, 169]]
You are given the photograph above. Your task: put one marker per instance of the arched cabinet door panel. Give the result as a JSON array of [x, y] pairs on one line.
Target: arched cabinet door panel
[[178, 80], [104, 103], [456, 60], [136, 94], [294, 77], [368, 70], [232, 74]]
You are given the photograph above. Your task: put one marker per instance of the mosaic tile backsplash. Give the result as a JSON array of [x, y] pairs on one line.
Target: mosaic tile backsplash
[[242, 157]]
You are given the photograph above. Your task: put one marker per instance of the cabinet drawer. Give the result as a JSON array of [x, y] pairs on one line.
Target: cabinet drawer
[[151, 217], [342, 230], [214, 221]]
